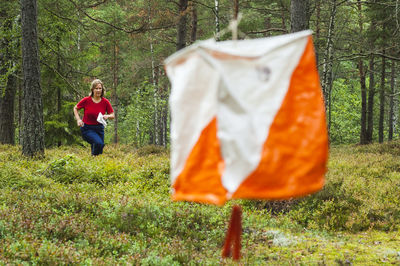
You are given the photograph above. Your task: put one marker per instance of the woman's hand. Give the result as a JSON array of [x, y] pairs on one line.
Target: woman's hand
[[79, 121], [109, 116]]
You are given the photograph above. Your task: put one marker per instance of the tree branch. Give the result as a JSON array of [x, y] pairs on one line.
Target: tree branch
[[96, 4], [137, 30], [65, 18], [64, 78], [386, 56], [267, 30]]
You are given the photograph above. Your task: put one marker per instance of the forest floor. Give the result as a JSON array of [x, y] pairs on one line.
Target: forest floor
[[71, 208]]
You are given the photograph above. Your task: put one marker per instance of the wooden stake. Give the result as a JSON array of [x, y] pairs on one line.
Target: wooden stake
[[233, 235]]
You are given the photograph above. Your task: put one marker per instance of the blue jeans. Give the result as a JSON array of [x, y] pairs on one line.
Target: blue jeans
[[94, 134]]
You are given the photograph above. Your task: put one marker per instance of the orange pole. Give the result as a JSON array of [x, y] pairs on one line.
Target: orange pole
[[233, 235]]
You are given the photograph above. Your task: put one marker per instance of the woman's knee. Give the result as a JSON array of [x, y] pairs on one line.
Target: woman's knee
[[99, 143]]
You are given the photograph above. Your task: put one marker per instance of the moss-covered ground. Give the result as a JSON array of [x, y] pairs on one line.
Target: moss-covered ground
[[71, 208]]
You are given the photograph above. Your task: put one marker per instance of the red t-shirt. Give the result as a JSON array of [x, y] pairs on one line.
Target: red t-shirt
[[92, 109]]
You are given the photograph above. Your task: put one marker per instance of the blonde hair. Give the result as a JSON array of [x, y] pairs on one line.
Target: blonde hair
[[94, 85]]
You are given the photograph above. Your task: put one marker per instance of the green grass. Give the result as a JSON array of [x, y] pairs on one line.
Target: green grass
[[71, 208]]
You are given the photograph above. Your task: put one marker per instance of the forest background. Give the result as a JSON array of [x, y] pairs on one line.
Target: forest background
[[124, 43], [70, 208]]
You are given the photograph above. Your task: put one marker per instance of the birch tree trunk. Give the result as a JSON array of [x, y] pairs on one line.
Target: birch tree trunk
[[59, 98], [327, 69], [391, 101], [165, 119], [156, 126], [20, 108], [382, 100], [163, 113], [217, 28], [371, 90], [371, 94], [115, 85], [33, 128]]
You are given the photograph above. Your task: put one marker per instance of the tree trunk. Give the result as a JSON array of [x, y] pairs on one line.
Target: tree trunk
[[161, 121], [165, 122], [371, 90], [327, 73], [115, 85], [7, 126], [193, 32], [154, 76], [235, 17], [371, 94], [235, 9], [20, 108], [181, 39], [283, 20], [382, 100], [317, 29], [299, 15], [267, 23], [163, 108], [391, 103], [7, 94], [59, 98], [363, 132], [33, 128], [216, 6], [156, 116]]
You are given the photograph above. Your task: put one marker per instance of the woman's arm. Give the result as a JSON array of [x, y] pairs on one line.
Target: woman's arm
[[79, 121], [109, 116]]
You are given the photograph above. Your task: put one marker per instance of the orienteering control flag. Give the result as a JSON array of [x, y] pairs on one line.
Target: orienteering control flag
[[247, 120]]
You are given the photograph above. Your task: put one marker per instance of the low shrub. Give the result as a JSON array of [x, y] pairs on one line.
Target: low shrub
[[361, 192], [71, 208], [150, 149], [69, 169]]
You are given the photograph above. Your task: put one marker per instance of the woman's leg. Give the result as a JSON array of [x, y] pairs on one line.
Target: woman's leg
[[100, 133], [93, 135]]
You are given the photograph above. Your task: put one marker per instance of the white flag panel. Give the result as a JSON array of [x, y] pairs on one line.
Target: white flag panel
[[248, 120]]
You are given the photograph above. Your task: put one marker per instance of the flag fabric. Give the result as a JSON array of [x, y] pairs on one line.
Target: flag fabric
[[247, 120]]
